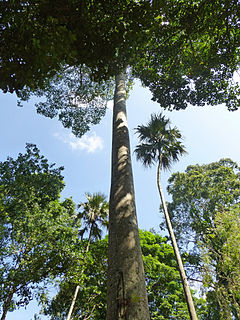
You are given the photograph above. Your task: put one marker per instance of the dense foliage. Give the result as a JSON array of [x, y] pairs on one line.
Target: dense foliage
[[40, 241], [38, 234], [184, 51], [165, 293], [205, 213]]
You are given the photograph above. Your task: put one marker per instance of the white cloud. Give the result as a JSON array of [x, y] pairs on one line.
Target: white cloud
[[90, 143], [110, 104]]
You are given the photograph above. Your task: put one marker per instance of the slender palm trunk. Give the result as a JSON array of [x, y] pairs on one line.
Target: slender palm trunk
[[186, 288], [126, 295], [78, 287]]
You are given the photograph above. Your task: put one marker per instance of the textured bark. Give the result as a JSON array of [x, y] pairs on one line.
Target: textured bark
[[127, 296], [186, 288]]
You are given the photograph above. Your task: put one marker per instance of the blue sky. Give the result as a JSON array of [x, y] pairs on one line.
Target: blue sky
[[211, 133]]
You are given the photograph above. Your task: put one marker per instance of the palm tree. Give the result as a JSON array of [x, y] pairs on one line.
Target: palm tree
[[94, 216], [162, 144]]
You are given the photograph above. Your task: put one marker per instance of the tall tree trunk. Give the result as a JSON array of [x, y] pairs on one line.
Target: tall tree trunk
[[126, 295], [186, 288], [78, 287]]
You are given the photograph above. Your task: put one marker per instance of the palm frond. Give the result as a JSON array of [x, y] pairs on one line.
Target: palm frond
[[146, 153], [94, 213], [158, 139]]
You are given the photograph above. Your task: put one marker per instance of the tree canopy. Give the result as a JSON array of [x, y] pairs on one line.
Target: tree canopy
[[37, 230], [165, 293], [205, 214], [184, 51]]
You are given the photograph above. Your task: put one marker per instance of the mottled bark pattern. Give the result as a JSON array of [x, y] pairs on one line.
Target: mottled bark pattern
[[127, 297]]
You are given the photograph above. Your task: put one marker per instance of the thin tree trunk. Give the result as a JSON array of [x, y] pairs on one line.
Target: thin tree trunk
[[78, 287], [73, 302], [186, 288], [7, 304], [126, 295]]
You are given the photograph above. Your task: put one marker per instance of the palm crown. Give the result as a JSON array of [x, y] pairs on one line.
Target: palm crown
[[159, 142], [94, 214]]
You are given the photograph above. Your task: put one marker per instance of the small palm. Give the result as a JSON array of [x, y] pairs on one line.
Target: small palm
[[94, 214]]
